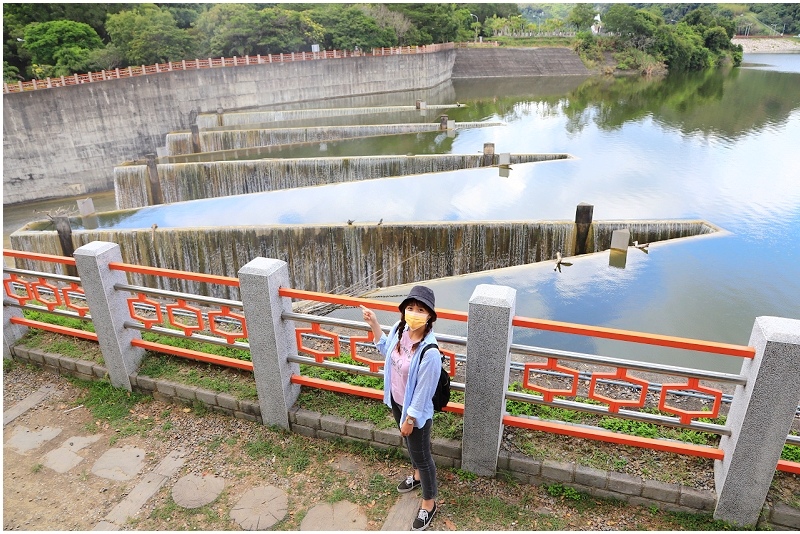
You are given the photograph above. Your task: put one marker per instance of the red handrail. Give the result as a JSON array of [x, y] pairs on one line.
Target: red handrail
[[35, 256], [357, 301], [173, 273], [613, 437], [74, 332], [636, 337]]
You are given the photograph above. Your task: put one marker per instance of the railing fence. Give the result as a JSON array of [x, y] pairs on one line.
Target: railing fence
[[263, 325]]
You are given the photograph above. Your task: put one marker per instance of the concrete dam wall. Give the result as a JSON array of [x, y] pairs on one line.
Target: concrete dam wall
[[65, 141], [474, 63], [347, 258]]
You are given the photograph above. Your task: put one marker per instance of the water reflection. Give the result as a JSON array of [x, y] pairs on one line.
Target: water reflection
[[716, 146]]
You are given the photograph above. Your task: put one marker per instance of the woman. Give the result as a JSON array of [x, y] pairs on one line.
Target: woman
[[408, 386]]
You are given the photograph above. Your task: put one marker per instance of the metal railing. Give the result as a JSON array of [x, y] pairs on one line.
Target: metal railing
[[210, 63]]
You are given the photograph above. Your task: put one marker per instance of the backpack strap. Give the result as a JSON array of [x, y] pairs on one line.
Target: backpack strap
[[424, 350]]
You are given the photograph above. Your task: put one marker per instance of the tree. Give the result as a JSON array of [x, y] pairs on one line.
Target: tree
[[355, 27], [582, 16], [45, 39], [148, 34]]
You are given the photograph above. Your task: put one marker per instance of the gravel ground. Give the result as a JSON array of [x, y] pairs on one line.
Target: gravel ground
[[757, 45]]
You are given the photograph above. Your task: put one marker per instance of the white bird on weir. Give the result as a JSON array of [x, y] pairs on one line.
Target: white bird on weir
[[643, 247], [560, 262]]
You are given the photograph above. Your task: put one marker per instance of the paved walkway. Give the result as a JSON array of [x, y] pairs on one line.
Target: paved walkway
[[258, 509]]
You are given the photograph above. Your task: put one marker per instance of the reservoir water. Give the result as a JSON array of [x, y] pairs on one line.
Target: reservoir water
[[719, 146]]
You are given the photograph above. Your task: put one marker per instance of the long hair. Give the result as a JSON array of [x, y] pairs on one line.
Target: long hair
[[402, 326]]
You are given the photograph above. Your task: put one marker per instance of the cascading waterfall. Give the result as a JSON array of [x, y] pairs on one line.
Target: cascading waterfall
[[213, 120], [192, 181], [130, 186], [214, 141], [322, 258], [648, 231]]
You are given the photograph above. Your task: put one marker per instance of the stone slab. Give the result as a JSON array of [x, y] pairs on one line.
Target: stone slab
[[66, 456], [260, 508], [134, 501], [343, 515], [119, 463], [144, 490], [194, 491], [27, 403], [401, 516], [24, 439]]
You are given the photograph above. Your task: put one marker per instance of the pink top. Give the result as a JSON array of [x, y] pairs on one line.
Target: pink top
[[401, 361]]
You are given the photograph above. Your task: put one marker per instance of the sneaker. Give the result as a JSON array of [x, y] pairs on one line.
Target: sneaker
[[408, 484], [424, 518]]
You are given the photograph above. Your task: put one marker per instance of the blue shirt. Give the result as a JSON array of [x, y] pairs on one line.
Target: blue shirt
[[422, 377]]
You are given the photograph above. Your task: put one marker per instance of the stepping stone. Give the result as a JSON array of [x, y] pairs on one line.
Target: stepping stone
[[24, 439], [65, 458], [119, 464], [194, 491], [27, 403], [347, 464], [403, 513], [343, 515], [260, 508], [144, 490]]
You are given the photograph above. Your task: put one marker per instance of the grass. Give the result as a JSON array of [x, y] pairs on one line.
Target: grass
[[112, 406]]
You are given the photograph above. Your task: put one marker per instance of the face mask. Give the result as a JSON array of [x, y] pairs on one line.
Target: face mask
[[416, 320]]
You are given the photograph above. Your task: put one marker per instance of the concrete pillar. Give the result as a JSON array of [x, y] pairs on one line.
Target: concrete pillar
[[271, 338], [109, 309], [583, 221], [491, 309], [620, 239], [11, 332], [488, 154], [760, 417], [196, 139], [154, 195], [64, 231]]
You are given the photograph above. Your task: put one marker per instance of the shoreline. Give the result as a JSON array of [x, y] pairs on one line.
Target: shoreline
[[769, 45]]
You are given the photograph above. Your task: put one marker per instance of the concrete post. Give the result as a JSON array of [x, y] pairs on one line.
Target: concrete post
[[64, 231], [583, 221], [11, 332], [271, 338], [491, 309], [153, 185], [760, 417], [109, 309], [195, 139], [488, 154]]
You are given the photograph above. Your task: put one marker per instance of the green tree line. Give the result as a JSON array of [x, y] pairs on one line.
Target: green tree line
[[41, 40]]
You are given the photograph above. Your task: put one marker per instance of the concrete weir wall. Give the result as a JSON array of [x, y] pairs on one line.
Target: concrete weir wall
[[66, 140], [333, 258]]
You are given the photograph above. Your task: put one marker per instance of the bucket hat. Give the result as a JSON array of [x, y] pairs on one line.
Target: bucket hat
[[421, 294]]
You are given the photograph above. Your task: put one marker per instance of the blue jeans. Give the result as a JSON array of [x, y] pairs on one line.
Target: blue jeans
[[418, 444]]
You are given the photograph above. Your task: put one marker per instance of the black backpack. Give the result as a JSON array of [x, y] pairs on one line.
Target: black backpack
[[442, 394]]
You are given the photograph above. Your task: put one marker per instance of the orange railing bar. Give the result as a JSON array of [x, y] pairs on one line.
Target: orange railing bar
[[193, 354], [636, 337], [172, 273], [357, 301], [360, 391], [613, 437], [789, 467], [74, 332], [66, 260]]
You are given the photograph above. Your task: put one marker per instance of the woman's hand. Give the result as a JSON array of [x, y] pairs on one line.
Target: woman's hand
[[372, 320], [406, 429]]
